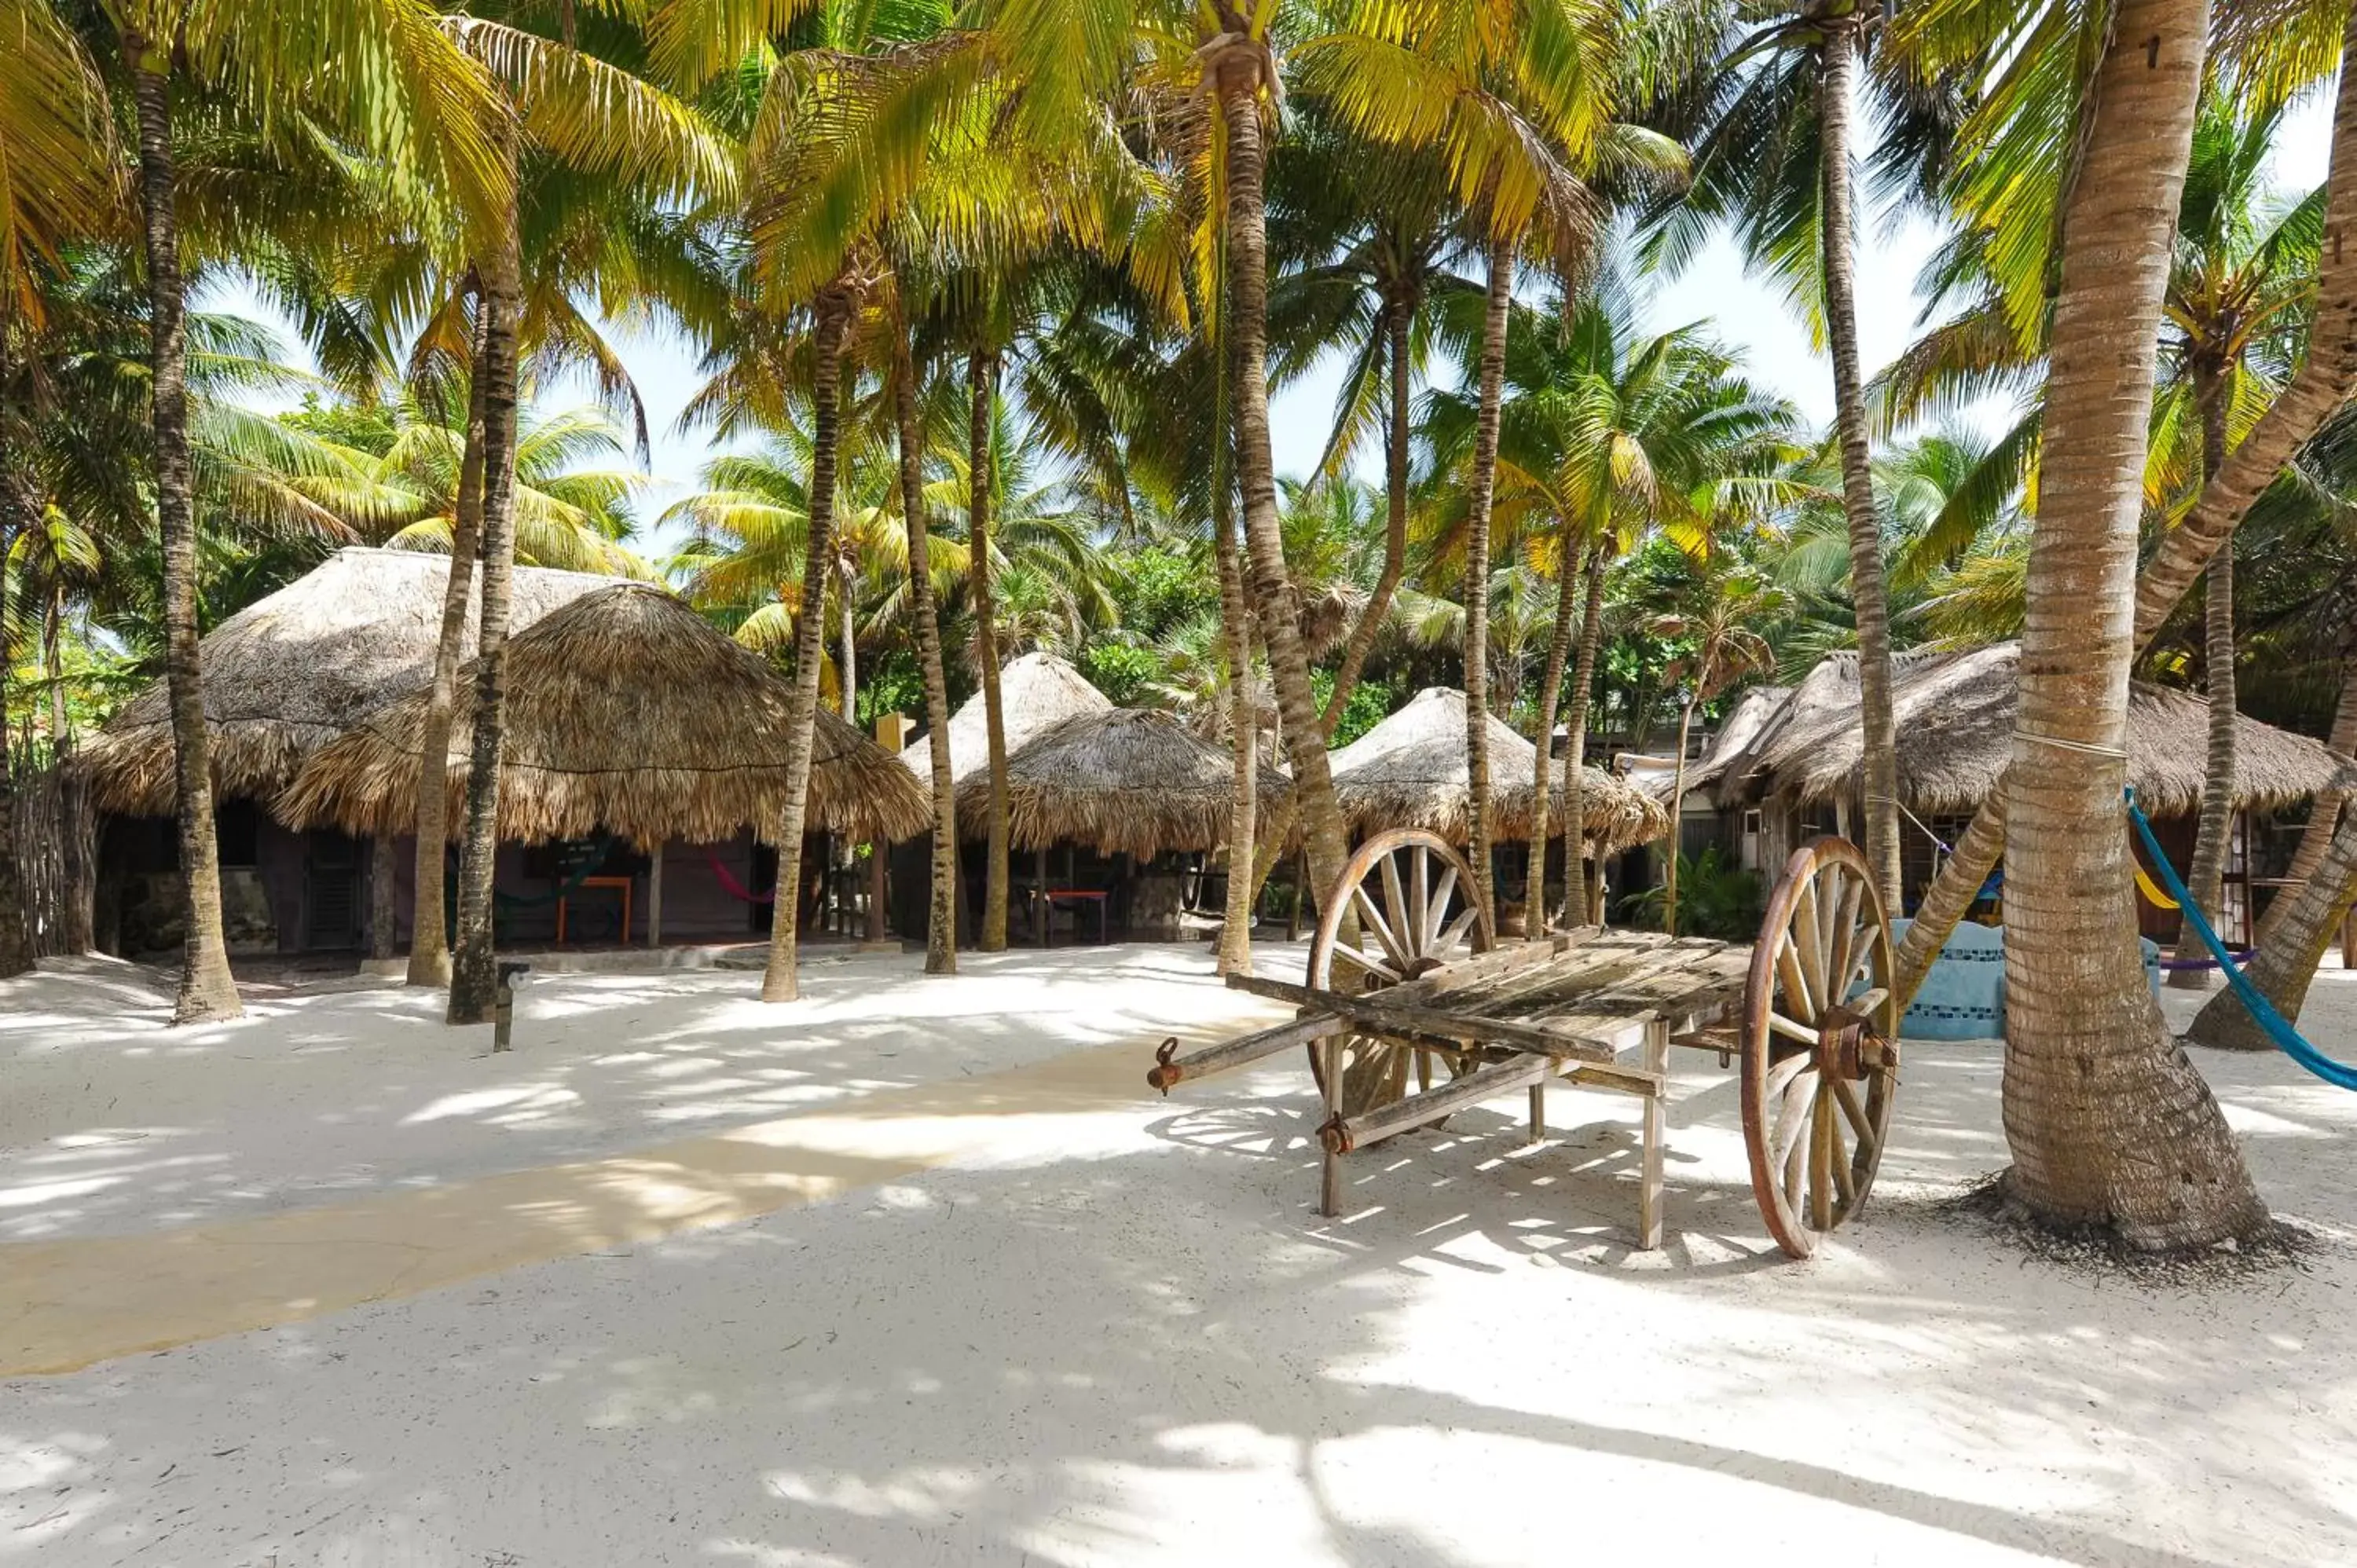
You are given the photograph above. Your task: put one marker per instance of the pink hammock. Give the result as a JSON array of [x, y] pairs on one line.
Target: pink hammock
[[734, 888]]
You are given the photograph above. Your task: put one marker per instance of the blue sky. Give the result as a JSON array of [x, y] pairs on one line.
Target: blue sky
[[1748, 313]]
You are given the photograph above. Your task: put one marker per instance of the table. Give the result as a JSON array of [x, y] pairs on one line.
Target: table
[[611, 884], [1051, 896]]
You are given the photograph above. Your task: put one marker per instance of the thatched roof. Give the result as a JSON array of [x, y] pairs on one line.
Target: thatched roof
[[1955, 717], [626, 711], [1754, 714], [290, 672], [1124, 780], [1038, 690], [1410, 771]]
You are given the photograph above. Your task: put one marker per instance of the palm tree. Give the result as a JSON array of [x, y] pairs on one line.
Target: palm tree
[[1359, 231], [1724, 608], [292, 54], [2089, 1074], [575, 116], [1772, 107], [2243, 272], [1607, 435], [1515, 94]]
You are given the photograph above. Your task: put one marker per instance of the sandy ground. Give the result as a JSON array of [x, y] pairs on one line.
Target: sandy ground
[[1114, 1331]]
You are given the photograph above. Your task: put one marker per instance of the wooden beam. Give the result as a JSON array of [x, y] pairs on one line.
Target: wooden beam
[[1244, 1048], [1384, 1016]]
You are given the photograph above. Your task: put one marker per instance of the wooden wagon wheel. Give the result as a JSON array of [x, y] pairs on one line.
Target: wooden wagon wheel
[[1413, 894], [1820, 1043]]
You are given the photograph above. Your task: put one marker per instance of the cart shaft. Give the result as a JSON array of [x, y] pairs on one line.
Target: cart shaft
[[1167, 1073]]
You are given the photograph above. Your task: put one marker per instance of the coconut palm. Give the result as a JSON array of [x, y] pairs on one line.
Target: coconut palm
[[2245, 268], [1719, 623], [1607, 436], [386, 76]]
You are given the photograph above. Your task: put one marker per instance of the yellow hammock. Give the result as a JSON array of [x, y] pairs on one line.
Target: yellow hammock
[[2153, 896]]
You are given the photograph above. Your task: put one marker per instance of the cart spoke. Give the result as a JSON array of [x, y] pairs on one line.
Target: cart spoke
[[1439, 911], [1855, 1113], [1791, 1153], [1795, 979], [1785, 1026], [1809, 945], [1820, 1154], [1419, 907], [1838, 1163], [1374, 919], [1456, 932], [1794, 1109], [1395, 912], [1370, 964], [1847, 951]]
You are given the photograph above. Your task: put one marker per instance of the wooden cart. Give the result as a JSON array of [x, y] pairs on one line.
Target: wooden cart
[[1420, 1013]]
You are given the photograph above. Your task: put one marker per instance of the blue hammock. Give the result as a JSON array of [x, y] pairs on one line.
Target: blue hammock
[[2286, 1038]]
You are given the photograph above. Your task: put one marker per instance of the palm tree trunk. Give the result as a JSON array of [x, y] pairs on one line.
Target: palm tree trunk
[[835, 309], [1399, 316], [1237, 73], [1867, 588], [1574, 750], [940, 921], [1677, 835], [429, 946], [75, 916], [2325, 380], [982, 382], [1483, 492], [207, 991], [2110, 1128], [847, 667], [2290, 953], [2208, 883], [474, 962], [1243, 721], [1542, 786], [17, 512], [2324, 814]]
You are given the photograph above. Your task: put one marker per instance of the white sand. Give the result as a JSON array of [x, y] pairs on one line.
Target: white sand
[[1124, 1336]]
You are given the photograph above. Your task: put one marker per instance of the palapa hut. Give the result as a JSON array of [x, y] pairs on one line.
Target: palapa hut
[[282, 677], [1411, 770], [1036, 692], [628, 715], [1125, 785], [1797, 769]]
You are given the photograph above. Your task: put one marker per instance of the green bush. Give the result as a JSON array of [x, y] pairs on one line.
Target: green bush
[[1716, 899]]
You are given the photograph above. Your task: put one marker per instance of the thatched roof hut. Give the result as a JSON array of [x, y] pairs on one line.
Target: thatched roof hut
[[1955, 717], [626, 711], [289, 673], [1038, 691], [1753, 718], [1410, 771], [1125, 780]]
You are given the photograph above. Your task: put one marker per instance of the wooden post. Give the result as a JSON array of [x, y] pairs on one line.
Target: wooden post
[[1538, 1111], [876, 892], [1329, 1169], [1649, 1184], [654, 896], [1040, 895]]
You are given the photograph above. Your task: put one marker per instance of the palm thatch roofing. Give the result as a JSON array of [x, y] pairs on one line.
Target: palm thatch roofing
[[290, 672], [626, 712], [1751, 717], [1036, 691], [1411, 771], [1125, 780], [1955, 717]]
